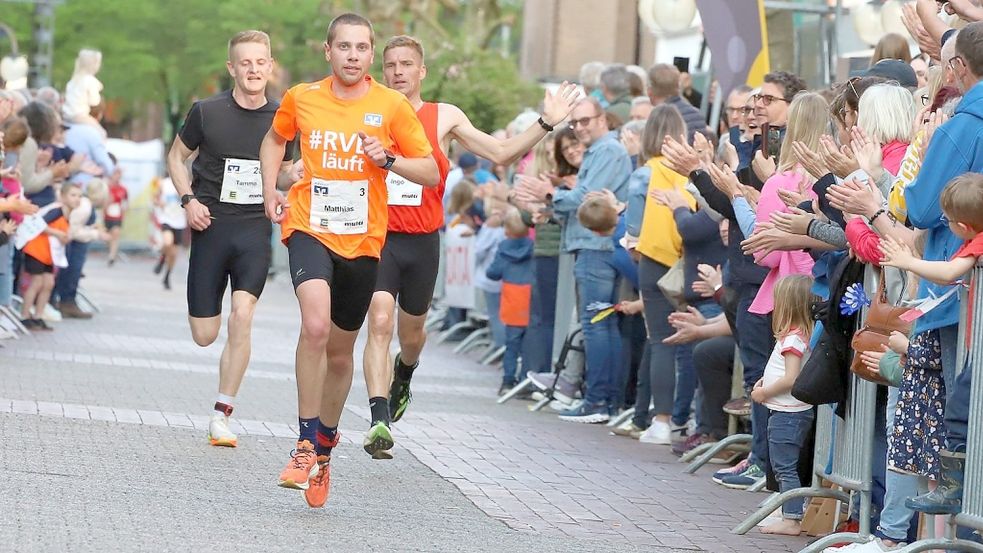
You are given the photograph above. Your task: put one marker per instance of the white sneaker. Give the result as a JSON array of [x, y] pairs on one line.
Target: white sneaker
[[561, 406], [219, 433], [51, 314], [659, 433], [875, 545]]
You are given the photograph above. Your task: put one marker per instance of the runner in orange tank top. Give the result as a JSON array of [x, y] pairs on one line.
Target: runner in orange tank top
[[334, 224], [408, 267]]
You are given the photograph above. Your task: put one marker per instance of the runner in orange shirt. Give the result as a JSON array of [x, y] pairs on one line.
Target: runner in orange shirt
[[334, 224], [408, 268]]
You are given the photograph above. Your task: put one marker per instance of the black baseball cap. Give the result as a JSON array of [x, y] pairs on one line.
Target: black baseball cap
[[894, 70]]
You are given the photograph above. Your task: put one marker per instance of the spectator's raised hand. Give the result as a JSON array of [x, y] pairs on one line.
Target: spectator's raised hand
[[710, 278], [867, 153], [810, 160], [839, 160], [794, 222], [764, 166], [8, 227], [931, 122], [680, 156], [912, 21], [895, 254], [703, 148], [60, 171], [792, 198], [855, 197], [751, 194], [669, 198], [725, 180], [730, 157], [20, 204], [765, 240], [532, 189], [558, 105], [965, 9]]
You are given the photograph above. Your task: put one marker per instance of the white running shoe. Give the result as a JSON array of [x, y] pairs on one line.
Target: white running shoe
[[659, 433], [219, 433]]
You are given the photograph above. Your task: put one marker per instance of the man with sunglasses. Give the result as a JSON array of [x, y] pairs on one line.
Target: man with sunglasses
[[956, 148], [606, 165]]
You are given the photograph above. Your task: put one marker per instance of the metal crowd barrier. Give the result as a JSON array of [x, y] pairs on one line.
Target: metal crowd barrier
[[972, 505], [843, 456], [703, 454]]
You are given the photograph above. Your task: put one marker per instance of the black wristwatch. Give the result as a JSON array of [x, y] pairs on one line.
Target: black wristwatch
[[187, 198], [390, 159]]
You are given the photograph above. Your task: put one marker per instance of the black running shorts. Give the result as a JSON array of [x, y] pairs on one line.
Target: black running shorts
[[408, 269], [229, 249], [352, 281], [177, 233], [34, 267]]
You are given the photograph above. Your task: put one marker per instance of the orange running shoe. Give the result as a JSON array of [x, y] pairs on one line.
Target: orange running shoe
[[301, 468], [320, 484]]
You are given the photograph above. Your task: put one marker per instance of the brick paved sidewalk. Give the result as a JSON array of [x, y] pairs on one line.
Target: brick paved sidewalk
[[128, 393]]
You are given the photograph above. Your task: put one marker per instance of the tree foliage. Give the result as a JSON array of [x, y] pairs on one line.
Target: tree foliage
[[170, 53]]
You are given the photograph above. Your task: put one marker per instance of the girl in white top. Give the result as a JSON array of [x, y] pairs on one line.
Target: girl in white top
[[84, 90], [790, 420]]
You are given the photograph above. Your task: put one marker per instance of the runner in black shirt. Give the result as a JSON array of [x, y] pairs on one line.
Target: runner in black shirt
[[223, 200]]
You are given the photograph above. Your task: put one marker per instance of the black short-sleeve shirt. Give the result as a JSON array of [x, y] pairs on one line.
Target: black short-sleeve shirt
[[219, 128]]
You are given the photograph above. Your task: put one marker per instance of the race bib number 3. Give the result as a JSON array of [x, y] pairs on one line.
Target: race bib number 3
[[403, 191], [242, 182], [339, 207]]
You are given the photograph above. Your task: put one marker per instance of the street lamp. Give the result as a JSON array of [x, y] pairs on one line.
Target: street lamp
[[667, 15]]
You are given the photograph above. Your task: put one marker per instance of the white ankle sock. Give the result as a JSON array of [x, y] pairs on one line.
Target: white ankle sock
[[228, 400]]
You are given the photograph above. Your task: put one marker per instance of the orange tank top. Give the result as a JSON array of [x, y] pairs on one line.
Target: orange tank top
[[415, 209]]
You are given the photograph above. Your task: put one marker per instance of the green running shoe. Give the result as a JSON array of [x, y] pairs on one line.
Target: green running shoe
[[399, 395], [379, 441]]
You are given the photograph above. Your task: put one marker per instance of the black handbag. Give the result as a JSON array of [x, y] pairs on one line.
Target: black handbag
[[825, 376]]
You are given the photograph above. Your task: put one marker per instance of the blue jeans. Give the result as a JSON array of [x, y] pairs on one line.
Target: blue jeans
[[662, 357], [510, 362], [538, 352], [596, 280], [6, 276], [755, 341], [896, 520], [786, 435], [67, 280], [492, 302], [686, 374]]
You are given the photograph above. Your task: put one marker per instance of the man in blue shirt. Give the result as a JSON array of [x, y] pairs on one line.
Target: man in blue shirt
[[89, 140], [606, 165], [956, 148]]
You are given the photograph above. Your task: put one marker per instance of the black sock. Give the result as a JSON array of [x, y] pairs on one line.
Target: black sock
[[380, 410], [327, 438], [404, 371]]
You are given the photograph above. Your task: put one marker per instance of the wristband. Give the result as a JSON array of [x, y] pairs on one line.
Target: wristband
[[876, 215], [546, 126]]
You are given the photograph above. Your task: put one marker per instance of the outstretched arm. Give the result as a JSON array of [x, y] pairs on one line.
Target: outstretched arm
[[505, 152]]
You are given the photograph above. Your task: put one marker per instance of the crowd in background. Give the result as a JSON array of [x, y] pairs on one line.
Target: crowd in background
[[768, 237]]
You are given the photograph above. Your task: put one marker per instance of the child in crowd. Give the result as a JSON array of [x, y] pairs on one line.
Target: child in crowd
[[116, 207], [43, 252], [962, 204], [512, 265], [790, 419]]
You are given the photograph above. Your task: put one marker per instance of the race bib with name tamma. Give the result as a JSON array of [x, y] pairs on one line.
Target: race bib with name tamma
[[242, 182]]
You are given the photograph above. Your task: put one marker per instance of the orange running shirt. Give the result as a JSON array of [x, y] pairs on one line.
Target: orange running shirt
[[416, 209], [40, 246], [341, 201]]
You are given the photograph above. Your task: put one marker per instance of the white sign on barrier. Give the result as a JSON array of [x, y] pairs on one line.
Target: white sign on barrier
[[460, 263]]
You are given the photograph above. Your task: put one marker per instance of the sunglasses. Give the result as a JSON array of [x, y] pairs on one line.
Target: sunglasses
[[583, 121], [767, 99]]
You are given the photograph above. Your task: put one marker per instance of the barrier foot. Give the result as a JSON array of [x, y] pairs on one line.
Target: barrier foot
[[540, 404], [695, 452], [726, 443], [463, 325], [758, 486], [93, 307], [942, 544], [471, 338], [10, 315], [824, 542], [777, 501], [515, 390], [625, 415], [494, 356]]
